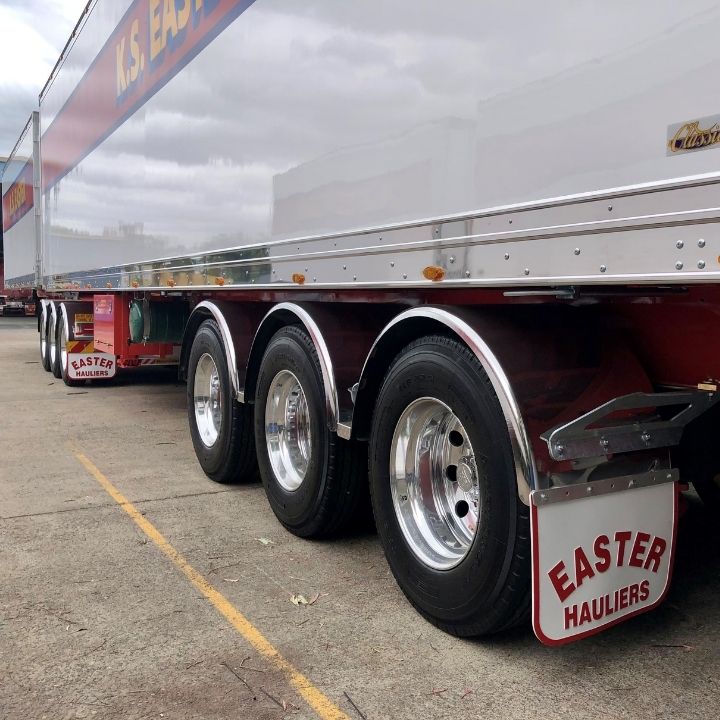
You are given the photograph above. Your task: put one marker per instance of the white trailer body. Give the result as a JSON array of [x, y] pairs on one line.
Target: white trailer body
[[277, 128], [463, 253], [21, 218]]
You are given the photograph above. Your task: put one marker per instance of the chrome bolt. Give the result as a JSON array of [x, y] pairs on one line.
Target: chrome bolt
[[701, 265], [679, 244], [701, 243], [404, 276], [678, 265], [526, 271], [354, 277], [509, 222], [577, 251], [588, 490], [392, 264], [452, 259], [559, 449], [605, 443], [507, 256], [344, 267], [610, 208], [645, 437], [467, 273], [603, 268], [314, 279]]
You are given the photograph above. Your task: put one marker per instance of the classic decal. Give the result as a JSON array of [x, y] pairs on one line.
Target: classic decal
[[700, 134]]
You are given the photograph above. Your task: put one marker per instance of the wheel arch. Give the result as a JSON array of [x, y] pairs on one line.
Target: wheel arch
[[208, 310], [279, 316], [416, 322]]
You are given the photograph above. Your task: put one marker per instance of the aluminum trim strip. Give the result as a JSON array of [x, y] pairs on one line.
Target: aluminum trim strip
[[603, 487]]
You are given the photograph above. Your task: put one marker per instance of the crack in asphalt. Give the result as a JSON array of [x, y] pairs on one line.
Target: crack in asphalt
[[135, 502]]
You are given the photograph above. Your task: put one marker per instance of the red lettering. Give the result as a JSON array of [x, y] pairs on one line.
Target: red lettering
[[583, 569], [74, 364], [598, 607], [561, 582], [571, 616], [639, 548], [602, 553], [634, 593], [623, 598], [621, 538], [644, 590], [655, 553], [585, 613]]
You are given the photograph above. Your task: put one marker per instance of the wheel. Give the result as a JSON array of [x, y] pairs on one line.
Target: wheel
[[220, 427], [63, 354], [53, 343], [44, 345], [315, 482], [444, 493], [699, 459]]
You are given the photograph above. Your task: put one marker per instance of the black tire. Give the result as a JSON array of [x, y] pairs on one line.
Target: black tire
[[489, 590], [70, 382], [333, 496], [231, 458], [43, 328], [53, 338], [698, 457]]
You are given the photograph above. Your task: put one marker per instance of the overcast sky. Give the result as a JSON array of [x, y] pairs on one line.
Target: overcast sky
[[32, 34]]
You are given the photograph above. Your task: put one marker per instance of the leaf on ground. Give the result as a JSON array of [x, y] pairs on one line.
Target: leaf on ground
[[231, 579], [298, 599], [265, 541]]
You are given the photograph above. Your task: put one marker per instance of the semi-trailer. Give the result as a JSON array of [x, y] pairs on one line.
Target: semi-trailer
[[458, 262]]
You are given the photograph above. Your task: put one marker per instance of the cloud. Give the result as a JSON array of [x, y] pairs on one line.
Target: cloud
[[33, 35]]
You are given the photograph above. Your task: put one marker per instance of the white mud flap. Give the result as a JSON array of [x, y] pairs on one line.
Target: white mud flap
[[87, 366], [602, 552]]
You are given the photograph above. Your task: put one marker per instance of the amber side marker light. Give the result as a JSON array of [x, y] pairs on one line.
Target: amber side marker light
[[434, 273], [219, 280], [298, 278], [135, 283], [171, 283]]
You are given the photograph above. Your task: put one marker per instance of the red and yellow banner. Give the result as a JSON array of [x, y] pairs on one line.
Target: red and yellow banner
[[151, 44], [18, 199]]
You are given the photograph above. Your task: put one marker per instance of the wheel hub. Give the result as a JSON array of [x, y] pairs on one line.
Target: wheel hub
[[434, 483], [287, 430], [207, 399]]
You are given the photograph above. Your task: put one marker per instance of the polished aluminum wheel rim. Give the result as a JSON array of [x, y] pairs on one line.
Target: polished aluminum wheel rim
[[208, 401], [63, 346], [434, 483], [287, 430], [53, 343], [43, 335]]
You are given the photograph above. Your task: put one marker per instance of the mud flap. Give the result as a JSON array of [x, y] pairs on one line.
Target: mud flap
[[86, 366], [602, 552]]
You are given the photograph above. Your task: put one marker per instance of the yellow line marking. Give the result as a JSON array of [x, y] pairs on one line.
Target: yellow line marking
[[321, 704]]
